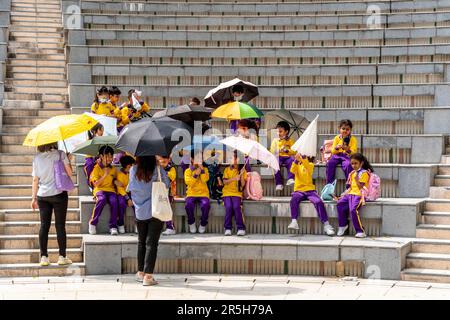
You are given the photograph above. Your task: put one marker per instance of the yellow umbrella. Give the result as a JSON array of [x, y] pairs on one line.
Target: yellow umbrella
[[59, 128]]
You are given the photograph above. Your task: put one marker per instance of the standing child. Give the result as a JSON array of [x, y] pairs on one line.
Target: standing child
[[102, 178], [304, 189], [102, 105], [196, 178], [130, 110], [89, 162], [352, 199], [114, 97], [172, 174], [234, 182], [343, 146], [121, 182], [281, 147]]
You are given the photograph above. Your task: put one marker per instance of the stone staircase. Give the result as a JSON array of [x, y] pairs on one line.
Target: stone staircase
[[430, 256], [35, 89]]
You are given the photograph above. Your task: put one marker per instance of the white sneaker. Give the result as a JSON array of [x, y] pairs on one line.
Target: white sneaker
[[294, 225], [341, 231], [63, 261], [138, 277], [228, 232], [201, 229], [329, 230], [169, 232], [192, 228], [121, 229], [113, 231], [290, 182], [92, 229], [279, 187], [241, 233], [44, 261], [360, 235]]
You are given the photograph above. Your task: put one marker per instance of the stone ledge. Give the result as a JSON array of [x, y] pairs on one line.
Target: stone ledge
[[389, 217], [386, 256]]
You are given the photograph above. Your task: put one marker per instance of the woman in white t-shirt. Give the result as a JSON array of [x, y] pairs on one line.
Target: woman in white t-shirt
[[47, 198]]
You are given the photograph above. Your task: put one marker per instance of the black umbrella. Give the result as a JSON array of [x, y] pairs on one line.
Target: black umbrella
[[297, 122], [185, 113], [223, 93], [149, 137]]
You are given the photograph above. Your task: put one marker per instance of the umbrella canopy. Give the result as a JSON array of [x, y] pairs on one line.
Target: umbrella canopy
[[185, 113], [253, 149], [307, 144], [223, 93], [236, 111], [297, 122], [58, 128], [149, 137], [91, 147], [109, 123]]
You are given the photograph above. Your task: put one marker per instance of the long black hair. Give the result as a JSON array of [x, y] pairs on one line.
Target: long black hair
[[145, 168], [93, 131], [361, 158]]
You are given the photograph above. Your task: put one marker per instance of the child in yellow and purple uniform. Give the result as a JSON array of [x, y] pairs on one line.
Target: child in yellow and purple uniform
[[352, 199], [169, 167], [304, 189], [233, 184], [196, 178], [89, 162], [102, 178], [281, 147], [101, 104], [344, 145], [121, 182], [114, 97], [131, 111]]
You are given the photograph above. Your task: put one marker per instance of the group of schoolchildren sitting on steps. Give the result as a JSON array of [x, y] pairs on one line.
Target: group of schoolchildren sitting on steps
[[110, 184]]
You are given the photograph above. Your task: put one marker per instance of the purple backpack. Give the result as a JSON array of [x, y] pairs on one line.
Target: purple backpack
[[62, 180]]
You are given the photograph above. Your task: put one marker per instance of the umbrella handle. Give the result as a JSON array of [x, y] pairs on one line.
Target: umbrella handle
[[65, 147]]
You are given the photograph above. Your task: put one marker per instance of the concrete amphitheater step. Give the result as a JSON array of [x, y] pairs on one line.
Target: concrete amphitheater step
[[433, 231], [11, 215], [32, 241], [13, 256], [438, 246], [437, 261], [34, 270], [11, 190], [24, 201], [427, 275], [436, 218], [32, 227]]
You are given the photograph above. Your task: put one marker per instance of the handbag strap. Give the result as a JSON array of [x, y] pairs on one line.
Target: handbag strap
[[159, 173]]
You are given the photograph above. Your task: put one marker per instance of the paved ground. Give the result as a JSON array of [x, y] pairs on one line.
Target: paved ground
[[218, 287]]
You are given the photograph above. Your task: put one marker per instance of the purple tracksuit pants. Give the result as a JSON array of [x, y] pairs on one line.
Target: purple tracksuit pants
[[312, 196], [123, 205], [233, 207], [350, 204], [335, 160], [204, 208], [104, 197], [287, 162]]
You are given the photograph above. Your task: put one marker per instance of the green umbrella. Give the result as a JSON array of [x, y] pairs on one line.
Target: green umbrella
[[91, 147]]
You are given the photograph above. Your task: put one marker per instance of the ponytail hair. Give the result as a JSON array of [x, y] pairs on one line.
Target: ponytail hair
[[361, 158]]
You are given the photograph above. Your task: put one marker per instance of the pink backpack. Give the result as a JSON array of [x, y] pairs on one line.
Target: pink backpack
[[253, 187], [373, 192]]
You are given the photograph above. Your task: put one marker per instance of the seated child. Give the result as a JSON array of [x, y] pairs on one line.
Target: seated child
[[102, 105], [343, 146], [121, 182], [234, 182], [304, 189], [102, 178], [172, 174], [281, 148], [196, 178], [131, 111], [89, 162], [352, 199]]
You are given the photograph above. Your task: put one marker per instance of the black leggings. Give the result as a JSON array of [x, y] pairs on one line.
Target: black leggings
[[47, 205], [149, 232]]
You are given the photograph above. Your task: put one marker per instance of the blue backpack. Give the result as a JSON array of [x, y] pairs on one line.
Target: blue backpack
[[328, 191]]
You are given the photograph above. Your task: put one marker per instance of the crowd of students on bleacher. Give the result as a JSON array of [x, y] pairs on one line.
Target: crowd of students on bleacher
[[203, 178]]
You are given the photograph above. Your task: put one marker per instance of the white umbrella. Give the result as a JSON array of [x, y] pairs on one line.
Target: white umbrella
[[253, 149], [307, 144]]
